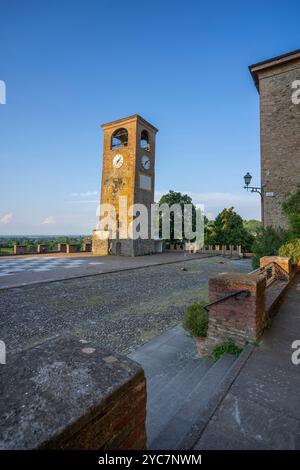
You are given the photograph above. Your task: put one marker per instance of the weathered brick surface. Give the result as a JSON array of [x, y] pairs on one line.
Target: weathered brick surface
[[240, 319], [100, 245], [62, 247], [19, 249], [71, 248], [280, 134], [42, 248], [125, 181], [72, 394], [87, 246]]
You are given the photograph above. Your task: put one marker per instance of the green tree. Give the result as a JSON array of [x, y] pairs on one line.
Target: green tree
[[171, 198], [267, 243], [209, 234], [252, 226], [228, 229]]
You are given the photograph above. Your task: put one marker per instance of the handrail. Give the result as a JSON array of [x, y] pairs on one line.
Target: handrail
[[271, 272], [235, 295]]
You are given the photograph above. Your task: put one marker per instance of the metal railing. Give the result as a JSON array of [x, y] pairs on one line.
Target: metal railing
[[235, 295], [272, 273]]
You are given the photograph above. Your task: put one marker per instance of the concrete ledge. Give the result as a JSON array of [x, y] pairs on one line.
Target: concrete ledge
[[67, 393]]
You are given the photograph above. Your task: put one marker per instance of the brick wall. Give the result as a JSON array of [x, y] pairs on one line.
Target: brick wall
[[239, 320], [280, 136], [118, 424]]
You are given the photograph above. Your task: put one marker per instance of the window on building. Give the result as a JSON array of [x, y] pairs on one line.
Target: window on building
[[145, 141], [119, 139]]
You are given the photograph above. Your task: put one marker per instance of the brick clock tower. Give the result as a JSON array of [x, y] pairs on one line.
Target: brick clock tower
[[127, 171]]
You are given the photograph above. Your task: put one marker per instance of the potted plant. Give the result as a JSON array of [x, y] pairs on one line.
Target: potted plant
[[196, 323]]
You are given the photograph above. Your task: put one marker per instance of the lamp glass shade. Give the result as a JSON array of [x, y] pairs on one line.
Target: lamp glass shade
[[247, 179]]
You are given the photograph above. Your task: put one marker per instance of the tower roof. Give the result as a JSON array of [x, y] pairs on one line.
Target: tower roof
[[255, 69], [134, 117]]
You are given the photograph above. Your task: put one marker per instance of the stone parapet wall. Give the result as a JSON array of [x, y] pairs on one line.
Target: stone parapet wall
[[221, 250], [71, 248], [19, 249]]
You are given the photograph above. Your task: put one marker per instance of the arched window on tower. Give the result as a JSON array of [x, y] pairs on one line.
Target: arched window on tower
[[145, 140], [119, 139]]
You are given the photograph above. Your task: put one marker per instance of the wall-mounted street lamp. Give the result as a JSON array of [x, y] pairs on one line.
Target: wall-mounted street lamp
[[254, 189]]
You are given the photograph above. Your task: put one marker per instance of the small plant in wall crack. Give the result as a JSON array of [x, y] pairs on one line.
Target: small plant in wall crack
[[226, 347]]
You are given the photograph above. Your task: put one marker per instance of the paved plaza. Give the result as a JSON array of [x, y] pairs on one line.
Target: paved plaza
[[9, 267], [121, 310], [23, 270]]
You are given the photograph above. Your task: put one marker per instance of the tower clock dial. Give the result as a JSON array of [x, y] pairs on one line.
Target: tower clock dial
[[118, 160], [146, 162]]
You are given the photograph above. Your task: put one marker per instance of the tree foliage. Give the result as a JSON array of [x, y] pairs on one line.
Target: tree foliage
[[171, 198], [267, 243], [228, 229], [252, 226], [291, 208], [291, 249]]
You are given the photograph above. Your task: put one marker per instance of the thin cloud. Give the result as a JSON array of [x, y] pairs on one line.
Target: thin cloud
[[6, 218], [86, 194], [49, 221], [86, 201], [245, 204]]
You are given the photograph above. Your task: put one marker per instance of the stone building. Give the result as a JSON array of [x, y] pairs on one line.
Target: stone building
[[128, 172], [278, 83]]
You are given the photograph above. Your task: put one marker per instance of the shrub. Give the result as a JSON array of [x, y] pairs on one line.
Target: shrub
[[196, 319], [226, 347], [291, 208], [291, 249], [267, 243]]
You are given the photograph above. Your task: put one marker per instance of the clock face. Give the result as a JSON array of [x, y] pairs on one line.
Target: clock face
[[118, 160], [146, 162]]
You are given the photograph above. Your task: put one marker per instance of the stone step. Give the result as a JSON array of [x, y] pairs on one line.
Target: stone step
[[175, 419], [190, 372], [164, 404]]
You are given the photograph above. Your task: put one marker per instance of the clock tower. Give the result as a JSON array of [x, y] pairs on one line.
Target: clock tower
[[127, 178]]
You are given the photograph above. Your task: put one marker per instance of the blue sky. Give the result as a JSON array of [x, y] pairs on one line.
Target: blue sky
[[71, 65]]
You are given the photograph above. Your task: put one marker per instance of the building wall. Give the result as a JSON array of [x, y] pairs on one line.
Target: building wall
[[280, 139]]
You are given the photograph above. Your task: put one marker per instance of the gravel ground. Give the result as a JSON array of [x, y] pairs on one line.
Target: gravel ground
[[121, 310]]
